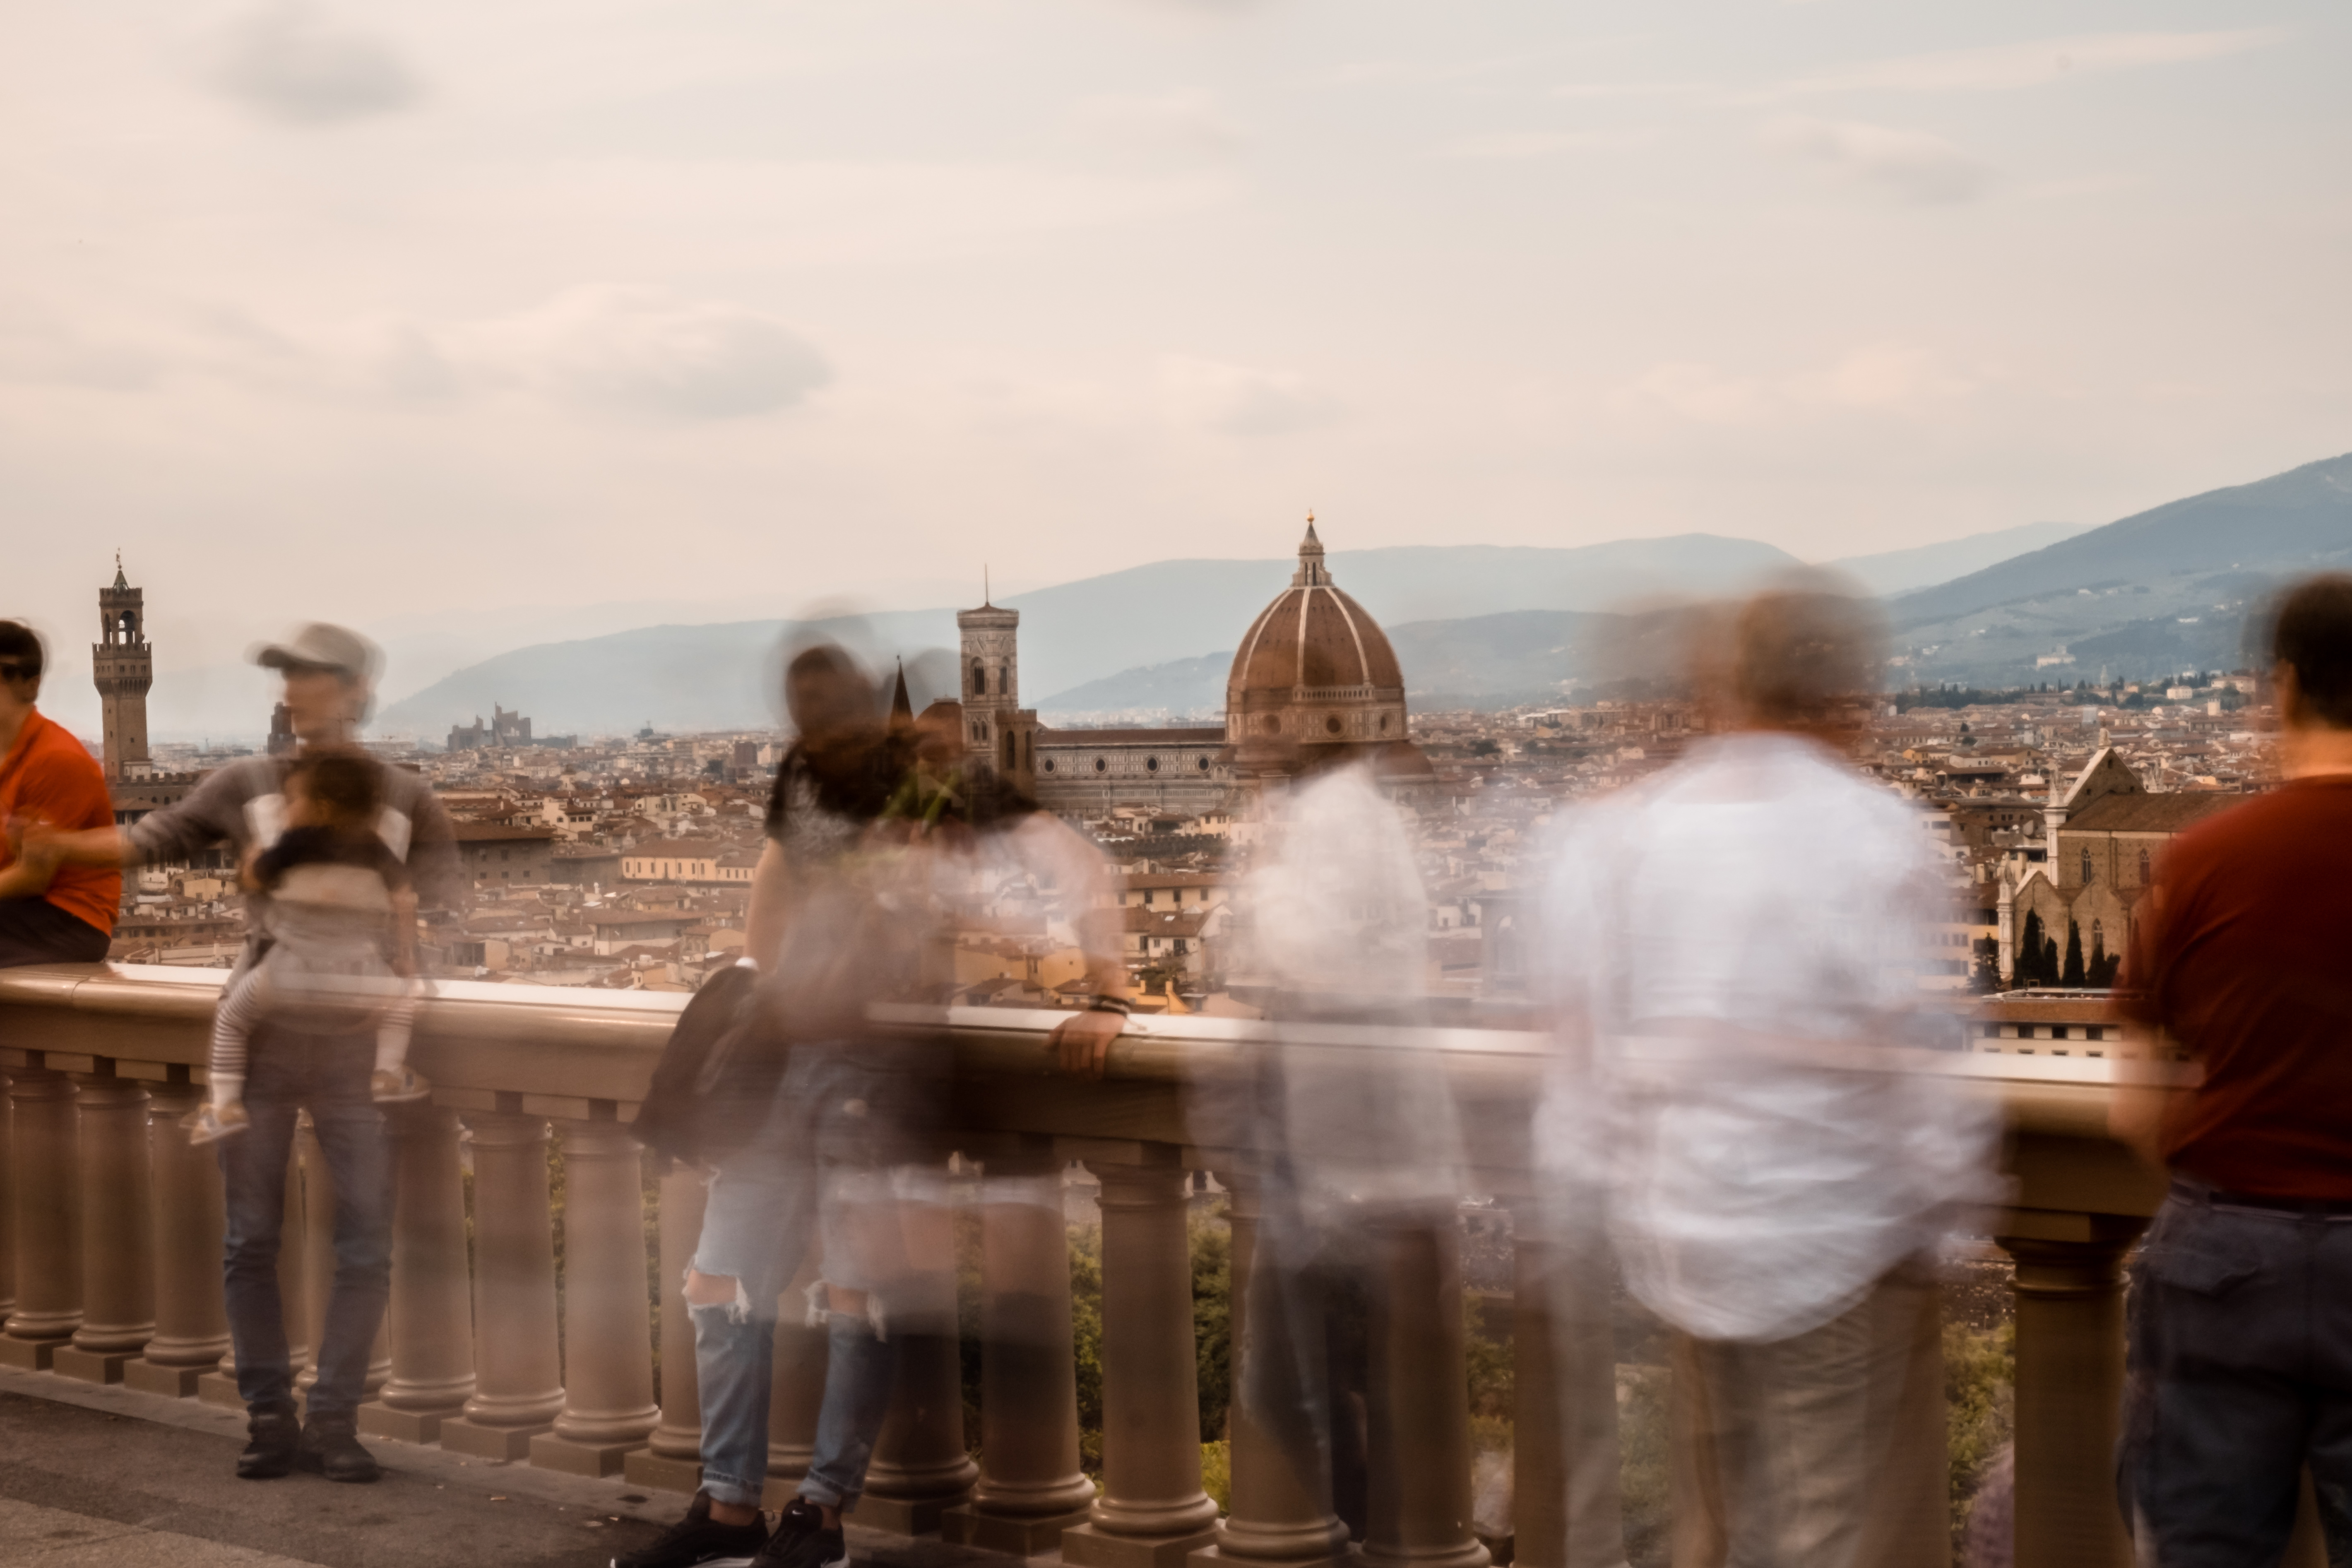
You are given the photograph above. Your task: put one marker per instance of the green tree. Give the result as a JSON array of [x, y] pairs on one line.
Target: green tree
[[2029, 953], [2072, 974], [1212, 1316]]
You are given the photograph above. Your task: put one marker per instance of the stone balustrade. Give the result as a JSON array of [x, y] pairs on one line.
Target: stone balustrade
[[110, 1240]]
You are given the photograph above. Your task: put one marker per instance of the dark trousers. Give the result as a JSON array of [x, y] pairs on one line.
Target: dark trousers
[[2239, 1375], [327, 1076], [35, 931]]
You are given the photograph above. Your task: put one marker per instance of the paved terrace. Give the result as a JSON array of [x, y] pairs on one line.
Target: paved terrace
[[117, 1426]]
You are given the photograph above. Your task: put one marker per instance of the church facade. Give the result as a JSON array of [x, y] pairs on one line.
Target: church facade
[[2104, 835], [1314, 677]]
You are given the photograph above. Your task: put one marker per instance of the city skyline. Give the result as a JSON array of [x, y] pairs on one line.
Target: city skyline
[[368, 312]]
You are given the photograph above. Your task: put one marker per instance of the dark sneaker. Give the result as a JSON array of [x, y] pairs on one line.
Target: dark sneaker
[[272, 1433], [331, 1448], [698, 1540], [801, 1541]]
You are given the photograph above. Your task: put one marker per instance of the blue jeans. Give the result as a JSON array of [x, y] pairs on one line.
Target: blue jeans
[[819, 1149], [327, 1075], [2239, 1376]]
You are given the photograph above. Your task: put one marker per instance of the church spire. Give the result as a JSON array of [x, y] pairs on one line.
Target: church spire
[[120, 580], [902, 708]]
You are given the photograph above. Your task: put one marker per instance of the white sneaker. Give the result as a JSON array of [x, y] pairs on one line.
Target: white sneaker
[[209, 1123], [398, 1086]]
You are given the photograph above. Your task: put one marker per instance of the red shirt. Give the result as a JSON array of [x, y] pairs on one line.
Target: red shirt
[[49, 776], [2245, 957]]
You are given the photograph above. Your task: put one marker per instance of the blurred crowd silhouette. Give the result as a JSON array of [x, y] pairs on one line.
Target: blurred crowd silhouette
[[1739, 1127]]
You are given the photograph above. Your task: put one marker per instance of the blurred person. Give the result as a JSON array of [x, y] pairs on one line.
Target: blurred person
[[1731, 950], [50, 911], [847, 901], [341, 939], [1367, 1143], [322, 1065], [2240, 1361]]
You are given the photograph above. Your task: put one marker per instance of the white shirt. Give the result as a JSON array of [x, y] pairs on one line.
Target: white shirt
[[1732, 948], [1339, 915]]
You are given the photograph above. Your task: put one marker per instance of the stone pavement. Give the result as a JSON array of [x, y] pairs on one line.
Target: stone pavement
[[92, 1475]]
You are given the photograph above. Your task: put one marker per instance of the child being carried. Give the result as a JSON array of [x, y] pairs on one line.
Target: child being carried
[[339, 940]]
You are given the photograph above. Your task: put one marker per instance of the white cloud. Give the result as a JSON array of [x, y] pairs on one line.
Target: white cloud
[[2006, 67], [1885, 377], [1240, 400], [637, 351], [1176, 126], [1516, 144], [1910, 164], [291, 60]]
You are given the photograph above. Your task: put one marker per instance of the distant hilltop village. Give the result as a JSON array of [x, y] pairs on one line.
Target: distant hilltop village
[[505, 731], [626, 861]]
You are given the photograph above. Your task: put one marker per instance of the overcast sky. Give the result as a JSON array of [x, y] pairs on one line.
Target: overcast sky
[[385, 313]]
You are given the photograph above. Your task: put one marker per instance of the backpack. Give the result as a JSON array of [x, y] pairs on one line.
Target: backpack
[[718, 1074]]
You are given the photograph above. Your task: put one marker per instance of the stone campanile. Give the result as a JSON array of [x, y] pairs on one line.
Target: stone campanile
[[999, 734], [123, 666]]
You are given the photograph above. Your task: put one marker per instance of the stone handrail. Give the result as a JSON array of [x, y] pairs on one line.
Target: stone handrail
[[110, 1247]]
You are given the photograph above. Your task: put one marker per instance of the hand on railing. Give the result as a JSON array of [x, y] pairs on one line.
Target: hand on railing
[[1081, 1042]]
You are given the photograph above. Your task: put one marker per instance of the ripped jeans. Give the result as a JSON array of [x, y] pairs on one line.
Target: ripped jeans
[[814, 1171]]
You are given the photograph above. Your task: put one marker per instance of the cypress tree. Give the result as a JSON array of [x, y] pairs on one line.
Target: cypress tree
[[2072, 974], [2029, 953], [2050, 962]]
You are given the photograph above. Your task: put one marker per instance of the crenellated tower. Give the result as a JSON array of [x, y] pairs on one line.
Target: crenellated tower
[[123, 666]]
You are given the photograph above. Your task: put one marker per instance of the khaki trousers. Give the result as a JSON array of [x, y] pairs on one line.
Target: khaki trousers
[[1823, 1450]]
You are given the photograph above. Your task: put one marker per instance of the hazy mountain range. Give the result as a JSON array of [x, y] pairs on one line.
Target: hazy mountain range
[[2163, 590]]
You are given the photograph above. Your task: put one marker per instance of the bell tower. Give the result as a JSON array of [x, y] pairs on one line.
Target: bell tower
[[999, 735], [123, 666]]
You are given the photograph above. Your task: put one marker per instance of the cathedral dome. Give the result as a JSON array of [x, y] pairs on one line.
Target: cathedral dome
[[1313, 670]]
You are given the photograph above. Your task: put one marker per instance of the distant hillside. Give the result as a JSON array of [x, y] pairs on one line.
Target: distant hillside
[[2165, 589], [1481, 661], [718, 677], [1903, 570]]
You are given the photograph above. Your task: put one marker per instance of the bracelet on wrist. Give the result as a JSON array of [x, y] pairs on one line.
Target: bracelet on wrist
[[1110, 1004]]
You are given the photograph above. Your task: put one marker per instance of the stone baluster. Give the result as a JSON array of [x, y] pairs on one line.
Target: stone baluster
[[921, 1469], [1031, 1488], [2070, 1371], [1152, 1512], [1419, 1459], [795, 1386], [47, 1197], [117, 1228], [1566, 1507], [430, 1318], [190, 1317], [293, 1248], [1280, 1512], [672, 1457], [519, 1388], [8, 1205], [318, 1271], [608, 1403], [311, 1189]]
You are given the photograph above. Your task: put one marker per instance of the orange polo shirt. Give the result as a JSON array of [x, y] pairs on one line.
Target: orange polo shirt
[[49, 776]]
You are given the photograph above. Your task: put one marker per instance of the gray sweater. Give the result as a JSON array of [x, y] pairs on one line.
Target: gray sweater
[[244, 805]]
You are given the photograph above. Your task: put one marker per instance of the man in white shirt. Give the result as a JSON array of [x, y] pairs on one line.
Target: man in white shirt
[[1741, 1031]]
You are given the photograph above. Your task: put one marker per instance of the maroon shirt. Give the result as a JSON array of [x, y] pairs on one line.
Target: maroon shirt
[[2243, 953]]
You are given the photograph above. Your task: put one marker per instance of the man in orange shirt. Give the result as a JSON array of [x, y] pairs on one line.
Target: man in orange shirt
[[49, 913]]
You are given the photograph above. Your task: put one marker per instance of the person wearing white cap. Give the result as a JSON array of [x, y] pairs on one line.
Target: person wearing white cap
[[330, 674]]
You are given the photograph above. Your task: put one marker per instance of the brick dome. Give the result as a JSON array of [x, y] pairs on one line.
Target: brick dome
[[1313, 670]]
